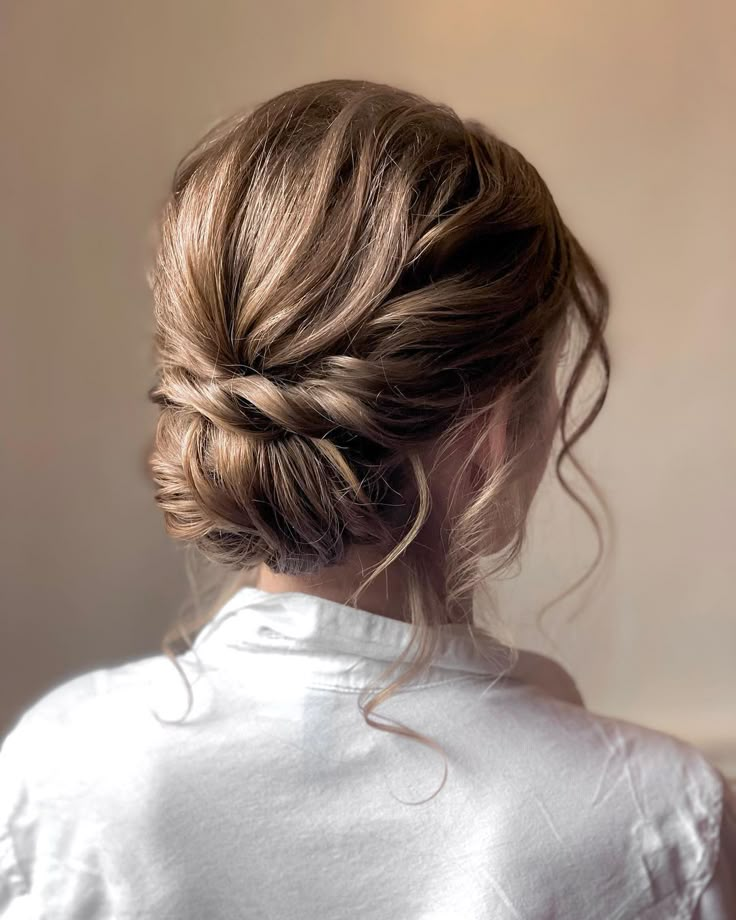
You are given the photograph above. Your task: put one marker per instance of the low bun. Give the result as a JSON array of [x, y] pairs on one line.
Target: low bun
[[253, 470]]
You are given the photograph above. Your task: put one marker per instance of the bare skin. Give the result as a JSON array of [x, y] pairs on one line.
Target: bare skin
[[387, 593]]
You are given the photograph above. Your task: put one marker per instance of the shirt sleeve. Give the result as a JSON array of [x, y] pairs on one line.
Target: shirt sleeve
[[718, 900]]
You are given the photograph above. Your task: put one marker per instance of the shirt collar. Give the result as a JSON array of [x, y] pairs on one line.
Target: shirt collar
[[334, 644]]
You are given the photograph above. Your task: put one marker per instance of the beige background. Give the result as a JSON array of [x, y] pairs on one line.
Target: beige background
[[627, 110]]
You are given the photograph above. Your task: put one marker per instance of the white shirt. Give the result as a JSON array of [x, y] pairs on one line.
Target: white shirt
[[274, 799]]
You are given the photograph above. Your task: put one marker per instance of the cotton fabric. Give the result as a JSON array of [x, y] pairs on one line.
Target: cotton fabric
[[272, 798]]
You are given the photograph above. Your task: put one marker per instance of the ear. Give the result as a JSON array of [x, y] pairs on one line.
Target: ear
[[492, 427], [495, 424], [497, 435]]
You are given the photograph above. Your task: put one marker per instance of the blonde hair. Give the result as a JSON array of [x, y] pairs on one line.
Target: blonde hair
[[344, 275]]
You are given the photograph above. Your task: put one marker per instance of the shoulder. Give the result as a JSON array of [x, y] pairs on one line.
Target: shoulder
[[73, 761], [91, 725], [661, 774], [131, 690], [81, 699], [86, 749], [599, 803], [658, 797]]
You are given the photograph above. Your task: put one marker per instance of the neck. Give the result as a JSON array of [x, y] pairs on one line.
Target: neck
[[387, 595]]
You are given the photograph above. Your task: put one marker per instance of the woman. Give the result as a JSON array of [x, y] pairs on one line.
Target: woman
[[362, 303]]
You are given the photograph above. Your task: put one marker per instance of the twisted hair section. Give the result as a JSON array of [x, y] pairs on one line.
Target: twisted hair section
[[346, 275]]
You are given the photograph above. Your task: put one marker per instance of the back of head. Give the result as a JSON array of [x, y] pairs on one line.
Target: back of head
[[348, 274]]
